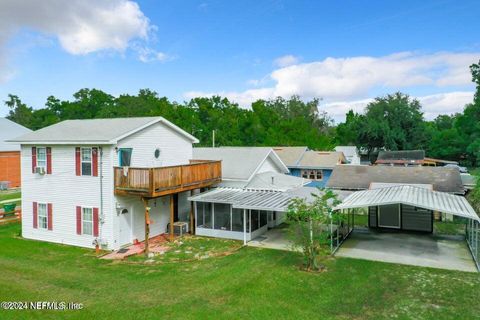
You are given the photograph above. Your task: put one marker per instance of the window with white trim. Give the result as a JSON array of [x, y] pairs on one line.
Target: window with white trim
[[312, 174], [86, 161], [41, 157], [42, 215], [87, 221]]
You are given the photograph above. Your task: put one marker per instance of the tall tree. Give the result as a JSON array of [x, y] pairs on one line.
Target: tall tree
[[394, 122], [19, 111]]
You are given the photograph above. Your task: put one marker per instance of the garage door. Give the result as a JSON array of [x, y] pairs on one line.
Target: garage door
[[416, 219], [389, 216]]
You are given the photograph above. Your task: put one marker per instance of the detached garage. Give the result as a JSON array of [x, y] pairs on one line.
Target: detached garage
[[399, 215], [408, 207]]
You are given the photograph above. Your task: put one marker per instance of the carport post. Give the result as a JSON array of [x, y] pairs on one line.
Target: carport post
[[476, 237], [338, 233], [331, 234]]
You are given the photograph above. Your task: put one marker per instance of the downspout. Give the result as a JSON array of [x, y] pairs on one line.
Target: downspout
[[102, 218], [97, 241]]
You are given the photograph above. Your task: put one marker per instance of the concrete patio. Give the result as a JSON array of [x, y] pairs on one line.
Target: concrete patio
[[275, 238], [426, 250]]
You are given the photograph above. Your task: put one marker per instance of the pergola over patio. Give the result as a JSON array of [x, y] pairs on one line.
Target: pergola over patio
[[421, 198]]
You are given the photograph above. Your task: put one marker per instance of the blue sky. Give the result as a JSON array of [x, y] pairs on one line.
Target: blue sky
[[345, 52]]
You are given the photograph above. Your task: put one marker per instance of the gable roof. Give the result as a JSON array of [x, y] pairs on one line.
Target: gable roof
[[290, 155], [357, 177], [275, 181], [321, 159], [404, 156], [102, 131], [348, 151], [10, 130], [413, 196], [239, 163]]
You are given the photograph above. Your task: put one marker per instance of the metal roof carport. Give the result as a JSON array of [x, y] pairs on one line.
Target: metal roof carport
[[422, 198]]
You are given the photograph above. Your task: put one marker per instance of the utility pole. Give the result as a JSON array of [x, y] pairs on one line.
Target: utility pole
[[213, 138]]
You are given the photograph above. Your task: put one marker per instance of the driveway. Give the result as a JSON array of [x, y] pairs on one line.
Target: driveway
[[425, 250]]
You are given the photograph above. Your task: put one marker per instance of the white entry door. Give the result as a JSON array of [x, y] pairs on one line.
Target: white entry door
[[125, 224], [389, 216]]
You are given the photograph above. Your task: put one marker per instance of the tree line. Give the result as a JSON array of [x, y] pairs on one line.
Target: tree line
[[391, 122]]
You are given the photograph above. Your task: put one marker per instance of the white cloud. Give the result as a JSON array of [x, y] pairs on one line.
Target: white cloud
[[146, 54], [286, 61], [80, 26], [445, 103], [355, 78]]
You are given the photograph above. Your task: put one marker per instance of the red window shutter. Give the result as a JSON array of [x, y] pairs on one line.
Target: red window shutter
[[34, 159], [35, 215], [78, 170], [79, 220], [95, 222], [49, 220], [95, 162], [49, 160]]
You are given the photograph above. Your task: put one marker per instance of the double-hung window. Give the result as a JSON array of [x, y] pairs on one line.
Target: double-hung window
[[315, 174], [42, 216], [86, 160], [41, 157], [87, 221]]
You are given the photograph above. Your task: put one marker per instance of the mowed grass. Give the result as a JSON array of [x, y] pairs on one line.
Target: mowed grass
[[249, 284]]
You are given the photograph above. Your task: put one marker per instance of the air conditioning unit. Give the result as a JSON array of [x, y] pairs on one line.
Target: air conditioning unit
[[40, 170]]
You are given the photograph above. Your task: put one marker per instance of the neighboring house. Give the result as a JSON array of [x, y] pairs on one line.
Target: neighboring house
[[410, 158], [110, 182], [361, 177], [290, 155], [255, 189], [350, 152], [316, 166], [401, 158], [10, 153]]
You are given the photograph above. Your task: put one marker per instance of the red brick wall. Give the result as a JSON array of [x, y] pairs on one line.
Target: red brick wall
[[10, 167]]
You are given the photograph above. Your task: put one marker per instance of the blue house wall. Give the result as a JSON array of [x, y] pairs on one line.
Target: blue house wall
[[326, 175]]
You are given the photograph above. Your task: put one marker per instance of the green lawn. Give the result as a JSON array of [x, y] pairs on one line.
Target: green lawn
[[249, 284]]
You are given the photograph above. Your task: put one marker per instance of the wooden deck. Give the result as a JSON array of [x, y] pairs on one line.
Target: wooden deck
[[156, 182]]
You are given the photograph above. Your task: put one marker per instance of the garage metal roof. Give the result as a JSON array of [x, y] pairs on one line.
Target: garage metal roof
[[414, 196]]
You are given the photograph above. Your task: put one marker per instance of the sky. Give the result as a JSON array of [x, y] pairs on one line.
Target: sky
[[342, 52]]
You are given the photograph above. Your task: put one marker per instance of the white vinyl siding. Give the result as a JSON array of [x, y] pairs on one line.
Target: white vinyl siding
[[87, 221], [41, 157], [175, 149], [65, 191], [42, 215]]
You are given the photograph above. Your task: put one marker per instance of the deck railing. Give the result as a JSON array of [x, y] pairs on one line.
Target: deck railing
[[158, 181]]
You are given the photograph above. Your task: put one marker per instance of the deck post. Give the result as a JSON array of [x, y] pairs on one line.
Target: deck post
[[147, 225], [244, 227], [172, 218], [191, 215]]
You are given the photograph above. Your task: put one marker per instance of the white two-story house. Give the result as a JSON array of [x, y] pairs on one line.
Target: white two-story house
[[109, 182]]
